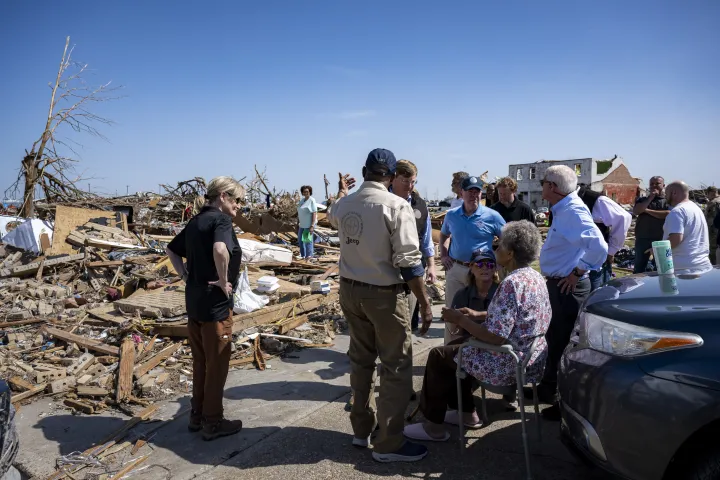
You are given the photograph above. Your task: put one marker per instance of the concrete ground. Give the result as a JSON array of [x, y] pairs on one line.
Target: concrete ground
[[295, 427]]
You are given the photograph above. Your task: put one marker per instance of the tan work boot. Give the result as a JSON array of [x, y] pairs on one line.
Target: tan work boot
[[223, 428]]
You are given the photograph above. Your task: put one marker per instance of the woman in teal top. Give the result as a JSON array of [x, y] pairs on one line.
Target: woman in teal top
[[307, 217]]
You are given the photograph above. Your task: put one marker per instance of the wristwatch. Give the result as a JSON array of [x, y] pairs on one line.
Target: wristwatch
[[577, 273]]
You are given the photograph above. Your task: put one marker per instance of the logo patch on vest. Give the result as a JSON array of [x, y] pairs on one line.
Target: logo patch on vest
[[417, 213], [352, 227]]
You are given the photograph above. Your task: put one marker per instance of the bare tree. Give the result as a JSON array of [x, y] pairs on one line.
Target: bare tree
[[45, 164]]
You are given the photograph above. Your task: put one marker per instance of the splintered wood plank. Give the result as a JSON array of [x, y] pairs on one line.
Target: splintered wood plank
[[164, 354], [67, 219], [81, 341], [25, 395], [292, 323], [125, 370]]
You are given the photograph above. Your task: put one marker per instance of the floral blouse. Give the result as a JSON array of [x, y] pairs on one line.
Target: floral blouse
[[519, 311]]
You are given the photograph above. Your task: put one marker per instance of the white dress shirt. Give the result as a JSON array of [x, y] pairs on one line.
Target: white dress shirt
[[614, 217]]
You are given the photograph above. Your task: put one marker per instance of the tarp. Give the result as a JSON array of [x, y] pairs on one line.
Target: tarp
[[5, 220], [27, 235]]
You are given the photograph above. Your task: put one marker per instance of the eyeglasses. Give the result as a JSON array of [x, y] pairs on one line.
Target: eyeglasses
[[407, 181], [489, 264], [543, 182]]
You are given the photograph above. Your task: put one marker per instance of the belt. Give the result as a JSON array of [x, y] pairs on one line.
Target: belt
[[464, 264], [388, 288], [557, 279]]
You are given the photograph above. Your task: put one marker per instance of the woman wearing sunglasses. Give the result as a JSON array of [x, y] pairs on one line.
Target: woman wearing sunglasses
[[518, 313]]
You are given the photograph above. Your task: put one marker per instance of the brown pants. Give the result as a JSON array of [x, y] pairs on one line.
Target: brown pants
[[210, 345], [439, 390], [379, 324]]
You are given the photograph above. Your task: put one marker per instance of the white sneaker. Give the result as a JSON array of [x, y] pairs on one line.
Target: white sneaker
[[361, 442]]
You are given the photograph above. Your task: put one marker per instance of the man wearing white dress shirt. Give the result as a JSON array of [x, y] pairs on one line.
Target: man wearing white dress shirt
[[613, 222]]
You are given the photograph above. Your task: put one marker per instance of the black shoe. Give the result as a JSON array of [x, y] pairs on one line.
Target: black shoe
[[545, 394], [413, 397], [552, 413]]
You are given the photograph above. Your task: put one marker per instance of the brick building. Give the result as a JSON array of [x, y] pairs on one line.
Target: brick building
[[610, 177]]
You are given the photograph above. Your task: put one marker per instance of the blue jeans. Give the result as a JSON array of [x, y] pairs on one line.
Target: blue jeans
[[307, 250], [600, 277], [641, 258]]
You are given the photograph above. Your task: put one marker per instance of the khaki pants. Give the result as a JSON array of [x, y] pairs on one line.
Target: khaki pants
[[210, 346], [379, 323], [455, 280]]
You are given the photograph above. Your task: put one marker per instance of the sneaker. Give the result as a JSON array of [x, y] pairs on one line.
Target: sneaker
[[223, 428], [361, 442], [409, 452]]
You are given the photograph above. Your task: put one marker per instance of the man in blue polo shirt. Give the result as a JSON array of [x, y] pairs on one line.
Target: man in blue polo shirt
[[472, 227]]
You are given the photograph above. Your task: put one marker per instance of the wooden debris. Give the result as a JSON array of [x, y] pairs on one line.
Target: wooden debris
[[25, 395], [84, 391], [79, 405], [125, 370], [85, 342], [129, 468], [144, 368], [257, 352], [19, 384]]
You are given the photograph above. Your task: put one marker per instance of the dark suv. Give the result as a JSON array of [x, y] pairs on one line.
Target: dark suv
[[8, 435], [639, 382]]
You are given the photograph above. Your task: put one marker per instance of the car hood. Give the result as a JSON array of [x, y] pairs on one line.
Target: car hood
[[660, 301]]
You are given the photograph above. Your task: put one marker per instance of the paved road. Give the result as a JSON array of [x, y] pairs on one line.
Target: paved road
[[295, 425]]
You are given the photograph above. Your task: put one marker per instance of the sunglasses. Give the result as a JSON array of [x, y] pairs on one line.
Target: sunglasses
[[237, 200], [489, 264]]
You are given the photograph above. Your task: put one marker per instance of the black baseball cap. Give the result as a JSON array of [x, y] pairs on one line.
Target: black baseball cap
[[381, 161], [472, 182]]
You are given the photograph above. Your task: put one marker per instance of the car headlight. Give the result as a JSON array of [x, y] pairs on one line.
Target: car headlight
[[627, 340]]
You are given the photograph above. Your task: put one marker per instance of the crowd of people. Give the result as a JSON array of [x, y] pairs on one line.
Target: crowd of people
[[504, 285]]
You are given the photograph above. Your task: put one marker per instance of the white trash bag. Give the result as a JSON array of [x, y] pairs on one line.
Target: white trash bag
[[244, 300]]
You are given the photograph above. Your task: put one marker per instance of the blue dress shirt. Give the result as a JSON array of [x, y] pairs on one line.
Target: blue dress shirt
[[573, 240]]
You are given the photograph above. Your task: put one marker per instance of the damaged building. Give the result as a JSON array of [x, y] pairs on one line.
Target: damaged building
[[609, 176]]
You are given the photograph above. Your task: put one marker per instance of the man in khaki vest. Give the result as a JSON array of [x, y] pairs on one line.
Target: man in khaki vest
[[379, 254]]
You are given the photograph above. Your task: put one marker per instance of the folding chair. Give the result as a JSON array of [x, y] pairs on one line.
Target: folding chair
[[501, 390]]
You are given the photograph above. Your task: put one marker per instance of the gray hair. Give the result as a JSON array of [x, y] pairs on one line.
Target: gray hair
[[563, 176], [523, 239]]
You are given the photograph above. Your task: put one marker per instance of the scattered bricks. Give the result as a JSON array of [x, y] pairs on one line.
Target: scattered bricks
[[19, 315], [66, 362], [49, 375], [95, 369], [84, 380], [62, 385], [25, 366], [91, 392], [44, 309], [144, 379], [162, 378], [148, 386], [81, 363], [95, 284]]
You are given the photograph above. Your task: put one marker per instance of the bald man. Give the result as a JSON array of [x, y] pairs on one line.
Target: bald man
[[686, 228]]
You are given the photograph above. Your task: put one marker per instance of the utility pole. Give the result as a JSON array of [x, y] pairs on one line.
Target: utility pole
[[127, 189], [327, 183]]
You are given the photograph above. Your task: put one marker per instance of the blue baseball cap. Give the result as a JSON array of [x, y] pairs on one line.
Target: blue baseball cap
[[482, 254], [472, 182], [381, 161]]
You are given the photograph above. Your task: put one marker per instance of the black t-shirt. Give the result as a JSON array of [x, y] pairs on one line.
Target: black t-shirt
[[517, 210], [207, 303], [648, 227]]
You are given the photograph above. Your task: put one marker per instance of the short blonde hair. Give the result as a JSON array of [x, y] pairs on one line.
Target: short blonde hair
[[406, 168], [458, 177], [220, 185], [507, 182]]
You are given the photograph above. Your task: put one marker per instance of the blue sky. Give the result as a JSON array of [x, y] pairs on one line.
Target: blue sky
[[306, 88]]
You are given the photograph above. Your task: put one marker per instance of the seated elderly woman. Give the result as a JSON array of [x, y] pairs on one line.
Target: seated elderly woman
[[518, 313]]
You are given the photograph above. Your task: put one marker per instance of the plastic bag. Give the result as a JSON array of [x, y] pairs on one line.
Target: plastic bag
[[307, 236], [244, 300]]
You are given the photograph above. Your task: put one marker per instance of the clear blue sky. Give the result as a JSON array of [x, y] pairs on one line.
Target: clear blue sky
[[309, 87]]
